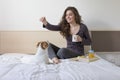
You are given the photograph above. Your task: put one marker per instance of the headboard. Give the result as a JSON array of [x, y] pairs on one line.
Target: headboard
[[106, 41], [25, 41]]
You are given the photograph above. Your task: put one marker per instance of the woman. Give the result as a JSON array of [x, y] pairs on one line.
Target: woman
[[69, 25]]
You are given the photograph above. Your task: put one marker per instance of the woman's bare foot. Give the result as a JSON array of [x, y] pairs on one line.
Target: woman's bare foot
[[56, 60]]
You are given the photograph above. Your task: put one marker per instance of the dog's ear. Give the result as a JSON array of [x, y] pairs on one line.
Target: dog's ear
[[42, 45], [38, 44]]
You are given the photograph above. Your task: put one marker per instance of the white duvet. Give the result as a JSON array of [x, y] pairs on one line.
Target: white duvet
[[12, 69]]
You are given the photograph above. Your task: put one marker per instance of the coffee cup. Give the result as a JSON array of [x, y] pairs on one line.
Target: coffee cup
[[74, 38]]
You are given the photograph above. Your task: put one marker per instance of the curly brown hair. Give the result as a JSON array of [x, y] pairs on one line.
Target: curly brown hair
[[65, 26]]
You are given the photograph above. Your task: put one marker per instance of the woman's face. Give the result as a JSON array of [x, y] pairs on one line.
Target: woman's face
[[70, 17]]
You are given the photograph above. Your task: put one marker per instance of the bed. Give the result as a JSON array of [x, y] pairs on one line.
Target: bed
[[11, 68]]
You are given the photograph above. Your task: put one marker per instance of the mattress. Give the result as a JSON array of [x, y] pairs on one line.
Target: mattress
[[11, 68]]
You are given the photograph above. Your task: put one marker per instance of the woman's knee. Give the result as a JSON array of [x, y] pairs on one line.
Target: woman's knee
[[63, 50]]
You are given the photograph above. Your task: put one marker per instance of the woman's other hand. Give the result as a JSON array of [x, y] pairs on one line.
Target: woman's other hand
[[79, 39], [43, 20]]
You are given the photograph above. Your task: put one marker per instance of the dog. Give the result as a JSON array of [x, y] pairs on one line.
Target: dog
[[41, 56]]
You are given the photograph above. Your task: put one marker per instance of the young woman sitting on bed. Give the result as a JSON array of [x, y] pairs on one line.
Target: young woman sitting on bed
[[69, 25]]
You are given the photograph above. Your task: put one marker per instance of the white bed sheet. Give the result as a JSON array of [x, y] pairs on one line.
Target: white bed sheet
[[11, 68]]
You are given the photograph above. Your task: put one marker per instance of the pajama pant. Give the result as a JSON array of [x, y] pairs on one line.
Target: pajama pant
[[61, 53]]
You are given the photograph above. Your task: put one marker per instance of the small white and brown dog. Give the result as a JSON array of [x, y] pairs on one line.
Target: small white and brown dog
[[41, 55]]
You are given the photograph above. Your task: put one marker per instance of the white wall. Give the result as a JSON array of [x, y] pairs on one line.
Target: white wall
[[25, 14]]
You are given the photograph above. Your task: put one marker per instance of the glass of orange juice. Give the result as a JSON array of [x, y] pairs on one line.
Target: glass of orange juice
[[91, 54]]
